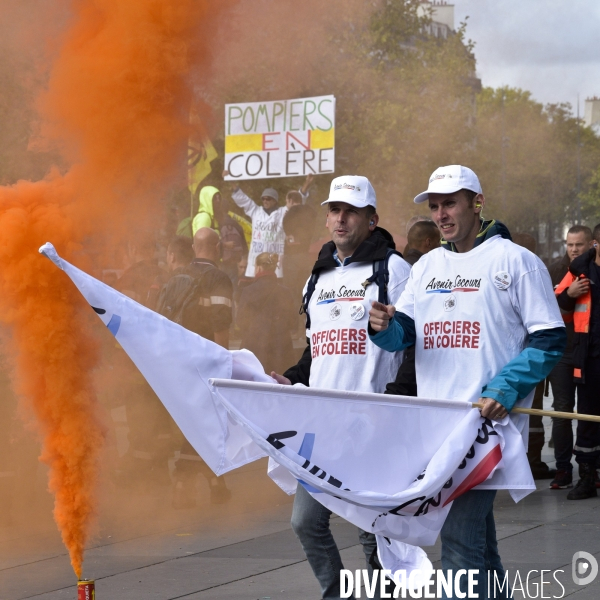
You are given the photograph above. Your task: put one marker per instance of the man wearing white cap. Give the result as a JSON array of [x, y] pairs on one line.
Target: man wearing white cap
[[358, 266], [486, 327]]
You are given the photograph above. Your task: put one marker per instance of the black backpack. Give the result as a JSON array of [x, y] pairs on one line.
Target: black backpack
[[176, 295], [381, 275]]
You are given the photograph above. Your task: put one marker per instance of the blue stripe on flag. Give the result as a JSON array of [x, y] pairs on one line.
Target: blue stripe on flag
[[306, 449], [114, 324]]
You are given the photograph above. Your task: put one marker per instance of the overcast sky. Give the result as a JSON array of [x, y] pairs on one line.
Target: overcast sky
[[549, 47]]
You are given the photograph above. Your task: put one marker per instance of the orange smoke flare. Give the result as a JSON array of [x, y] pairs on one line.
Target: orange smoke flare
[[117, 106]]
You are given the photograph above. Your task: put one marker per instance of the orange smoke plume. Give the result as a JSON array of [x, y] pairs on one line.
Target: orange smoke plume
[[116, 107]]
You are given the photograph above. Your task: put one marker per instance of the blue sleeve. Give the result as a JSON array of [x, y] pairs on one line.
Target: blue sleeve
[[400, 334], [524, 372]]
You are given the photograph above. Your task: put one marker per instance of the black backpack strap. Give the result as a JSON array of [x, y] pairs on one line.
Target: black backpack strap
[[381, 276], [310, 289]]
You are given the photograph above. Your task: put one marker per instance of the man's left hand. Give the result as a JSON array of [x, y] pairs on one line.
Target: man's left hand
[[492, 410]]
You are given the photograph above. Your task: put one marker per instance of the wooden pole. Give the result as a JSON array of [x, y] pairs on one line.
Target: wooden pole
[[549, 413]]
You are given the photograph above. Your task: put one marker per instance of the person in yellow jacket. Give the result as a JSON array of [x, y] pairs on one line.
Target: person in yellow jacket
[[578, 296], [210, 201], [205, 217], [212, 213]]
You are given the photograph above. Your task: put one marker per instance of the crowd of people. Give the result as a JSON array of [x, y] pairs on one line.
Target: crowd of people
[[389, 313], [229, 288]]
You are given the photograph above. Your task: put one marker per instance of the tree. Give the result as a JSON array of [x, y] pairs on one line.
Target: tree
[[403, 97], [408, 102], [590, 199], [529, 159]]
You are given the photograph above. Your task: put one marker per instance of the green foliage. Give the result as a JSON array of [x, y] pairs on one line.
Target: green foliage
[[590, 199], [405, 100], [535, 163], [418, 109], [395, 28]]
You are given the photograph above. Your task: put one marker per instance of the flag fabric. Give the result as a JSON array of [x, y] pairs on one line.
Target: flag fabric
[[389, 464], [177, 364], [201, 153]]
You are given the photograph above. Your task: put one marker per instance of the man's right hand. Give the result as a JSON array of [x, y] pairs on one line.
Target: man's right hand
[[380, 315], [280, 379], [579, 287]]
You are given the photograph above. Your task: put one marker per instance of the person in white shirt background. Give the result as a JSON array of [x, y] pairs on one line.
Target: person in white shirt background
[[267, 222]]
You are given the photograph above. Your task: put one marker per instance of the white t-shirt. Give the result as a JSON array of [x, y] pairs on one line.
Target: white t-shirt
[[267, 231], [343, 356], [473, 312]]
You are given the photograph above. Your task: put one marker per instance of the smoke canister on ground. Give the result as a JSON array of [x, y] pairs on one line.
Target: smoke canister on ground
[[86, 589]]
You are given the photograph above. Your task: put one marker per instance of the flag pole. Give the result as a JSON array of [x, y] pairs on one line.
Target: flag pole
[[549, 413]]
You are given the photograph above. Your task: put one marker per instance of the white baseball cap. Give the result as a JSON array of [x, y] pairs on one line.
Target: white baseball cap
[[450, 179], [352, 189]]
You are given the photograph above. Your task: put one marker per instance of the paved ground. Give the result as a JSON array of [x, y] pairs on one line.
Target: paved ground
[[244, 549]]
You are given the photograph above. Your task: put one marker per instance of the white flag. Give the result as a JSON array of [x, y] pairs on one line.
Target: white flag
[[390, 464], [177, 364]]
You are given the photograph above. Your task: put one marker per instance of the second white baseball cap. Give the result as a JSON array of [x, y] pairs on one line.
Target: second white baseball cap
[[352, 189], [450, 179]]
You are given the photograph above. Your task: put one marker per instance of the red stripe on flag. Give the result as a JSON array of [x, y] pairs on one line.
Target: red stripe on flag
[[479, 474]]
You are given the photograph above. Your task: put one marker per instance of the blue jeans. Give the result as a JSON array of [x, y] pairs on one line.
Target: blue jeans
[[469, 542], [310, 522]]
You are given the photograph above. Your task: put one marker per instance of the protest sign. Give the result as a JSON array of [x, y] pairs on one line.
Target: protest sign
[[283, 138]]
